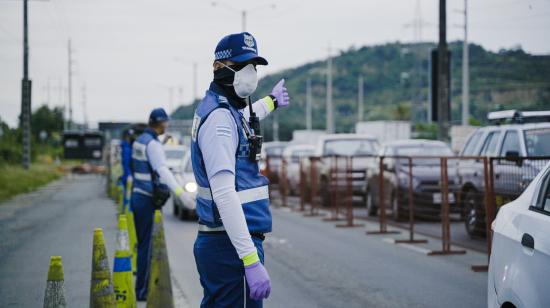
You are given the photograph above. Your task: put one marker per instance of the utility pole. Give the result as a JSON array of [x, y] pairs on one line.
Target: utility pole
[[465, 71], [84, 111], [443, 75], [243, 16], [70, 83], [330, 116], [26, 87], [308, 104], [360, 107]]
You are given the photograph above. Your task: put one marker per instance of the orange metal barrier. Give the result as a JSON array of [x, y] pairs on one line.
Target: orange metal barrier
[[314, 195], [383, 226], [348, 199]]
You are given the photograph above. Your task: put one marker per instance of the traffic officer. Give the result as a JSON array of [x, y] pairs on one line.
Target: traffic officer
[[126, 162], [152, 179], [232, 197]]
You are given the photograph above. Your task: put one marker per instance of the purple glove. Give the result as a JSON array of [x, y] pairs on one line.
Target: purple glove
[[281, 94], [258, 281]]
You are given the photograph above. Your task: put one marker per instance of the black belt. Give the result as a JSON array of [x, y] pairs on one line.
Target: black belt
[[257, 235]]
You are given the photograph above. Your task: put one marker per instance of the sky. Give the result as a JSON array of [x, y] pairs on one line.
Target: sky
[[132, 56]]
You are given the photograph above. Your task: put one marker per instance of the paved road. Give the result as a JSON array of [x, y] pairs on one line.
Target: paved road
[[312, 263], [59, 219]]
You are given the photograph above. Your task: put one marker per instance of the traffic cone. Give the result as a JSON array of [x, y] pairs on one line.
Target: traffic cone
[[122, 238], [133, 238], [120, 197], [101, 289], [55, 289], [123, 281], [160, 285]]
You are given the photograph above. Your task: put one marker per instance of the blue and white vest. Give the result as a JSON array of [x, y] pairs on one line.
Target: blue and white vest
[[251, 186], [143, 179]]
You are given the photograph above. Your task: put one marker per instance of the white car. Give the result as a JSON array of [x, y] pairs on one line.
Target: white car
[[519, 268], [291, 156], [174, 157], [185, 209]]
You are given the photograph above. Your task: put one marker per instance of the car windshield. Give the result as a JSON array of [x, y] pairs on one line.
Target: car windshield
[[423, 150], [348, 147], [275, 150], [296, 154], [537, 141], [174, 154]]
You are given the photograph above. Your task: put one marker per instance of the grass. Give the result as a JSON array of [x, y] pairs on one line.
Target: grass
[[15, 180]]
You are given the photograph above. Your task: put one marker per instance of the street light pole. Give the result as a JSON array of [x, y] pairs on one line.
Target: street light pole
[[443, 75], [26, 87], [465, 71], [330, 117], [243, 16]]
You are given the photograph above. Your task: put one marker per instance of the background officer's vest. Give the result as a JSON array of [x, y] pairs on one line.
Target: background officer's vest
[[143, 179], [251, 186]]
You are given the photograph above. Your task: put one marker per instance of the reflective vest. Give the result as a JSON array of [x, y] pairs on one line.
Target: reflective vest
[[143, 178], [251, 186]]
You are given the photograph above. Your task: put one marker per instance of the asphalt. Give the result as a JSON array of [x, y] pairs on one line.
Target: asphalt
[[314, 264], [311, 262], [58, 219]]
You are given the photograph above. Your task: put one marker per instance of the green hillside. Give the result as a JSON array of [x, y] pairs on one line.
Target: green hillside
[[396, 73]]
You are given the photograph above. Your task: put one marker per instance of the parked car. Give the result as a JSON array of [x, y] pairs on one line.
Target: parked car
[[291, 156], [174, 156], [273, 150], [520, 255], [514, 136], [185, 209], [359, 146], [426, 178]]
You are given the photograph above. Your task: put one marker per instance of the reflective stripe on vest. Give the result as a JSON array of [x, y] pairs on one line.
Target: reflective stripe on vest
[[246, 196], [142, 176]]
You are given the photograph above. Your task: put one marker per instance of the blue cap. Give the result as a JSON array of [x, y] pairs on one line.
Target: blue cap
[[239, 47], [158, 115]]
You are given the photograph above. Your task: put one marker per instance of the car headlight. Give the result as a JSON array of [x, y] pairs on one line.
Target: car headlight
[[404, 180], [191, 187]]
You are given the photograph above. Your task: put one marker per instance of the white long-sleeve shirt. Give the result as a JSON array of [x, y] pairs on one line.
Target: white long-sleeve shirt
[[157, 159], [218, 140]]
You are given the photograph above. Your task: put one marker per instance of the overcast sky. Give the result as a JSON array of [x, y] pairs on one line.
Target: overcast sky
[[130, 53]]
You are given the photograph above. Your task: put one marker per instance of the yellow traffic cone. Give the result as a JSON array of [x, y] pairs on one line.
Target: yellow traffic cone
[[120, 198], [123, 280], [122, 238], [131, 226], [133, 238], [55, 289], [101, 289], [160, 285]]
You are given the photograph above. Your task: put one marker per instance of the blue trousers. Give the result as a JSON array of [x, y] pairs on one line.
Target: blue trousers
[[222, 272], [144, 211]]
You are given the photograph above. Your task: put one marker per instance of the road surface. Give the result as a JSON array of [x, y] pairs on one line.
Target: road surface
[[311, 263]]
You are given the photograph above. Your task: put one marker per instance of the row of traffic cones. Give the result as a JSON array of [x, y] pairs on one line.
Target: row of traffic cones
[[118, 290]]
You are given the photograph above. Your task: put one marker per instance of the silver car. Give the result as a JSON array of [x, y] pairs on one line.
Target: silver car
[[185, 209]]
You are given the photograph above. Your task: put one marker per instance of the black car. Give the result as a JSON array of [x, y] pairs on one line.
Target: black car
[[426, 178]]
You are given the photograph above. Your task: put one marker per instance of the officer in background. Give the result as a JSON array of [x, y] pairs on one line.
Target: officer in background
[[149, 192], [232, 198], [126, 161]]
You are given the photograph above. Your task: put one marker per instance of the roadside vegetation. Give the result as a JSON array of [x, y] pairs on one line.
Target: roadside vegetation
[[47, 126]]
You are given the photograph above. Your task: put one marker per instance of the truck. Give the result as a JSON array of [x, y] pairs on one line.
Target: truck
[[385, 130]]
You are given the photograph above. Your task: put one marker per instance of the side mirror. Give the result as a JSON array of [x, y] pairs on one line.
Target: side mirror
[[513, 156]]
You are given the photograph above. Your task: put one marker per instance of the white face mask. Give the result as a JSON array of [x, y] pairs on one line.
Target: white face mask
[[245, 81]]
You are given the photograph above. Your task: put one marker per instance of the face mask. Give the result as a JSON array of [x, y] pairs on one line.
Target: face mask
[[245, 81]]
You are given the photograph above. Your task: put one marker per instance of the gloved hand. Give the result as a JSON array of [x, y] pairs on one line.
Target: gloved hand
[[179, 193], [281, 94], [258, 281]]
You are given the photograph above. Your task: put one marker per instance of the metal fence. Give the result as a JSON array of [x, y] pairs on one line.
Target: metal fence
[[453, 198]]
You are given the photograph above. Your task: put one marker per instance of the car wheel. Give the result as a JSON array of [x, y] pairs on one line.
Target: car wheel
[[474, 214], [371, 206], [397, 210], [183, 214], [325, 193], [175, 209]]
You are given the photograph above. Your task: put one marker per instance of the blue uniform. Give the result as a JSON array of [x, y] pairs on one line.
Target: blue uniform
[[220, 268], [126, 162], [142, 206]]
